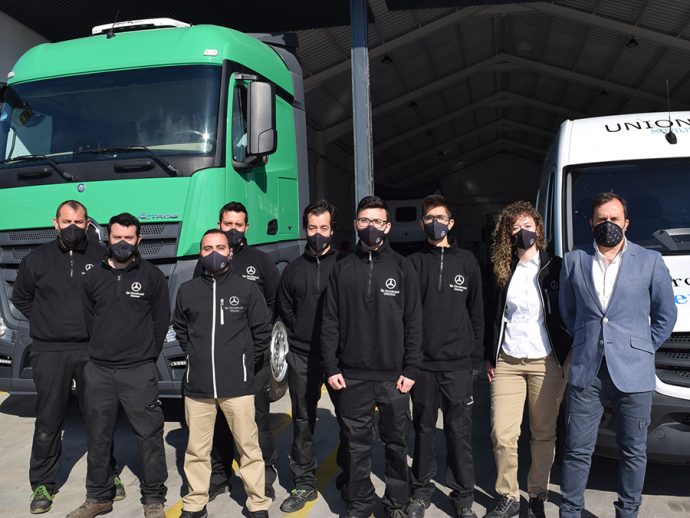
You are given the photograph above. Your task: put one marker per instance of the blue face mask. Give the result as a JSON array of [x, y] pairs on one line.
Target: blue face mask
[[214, 262], [607, 234]]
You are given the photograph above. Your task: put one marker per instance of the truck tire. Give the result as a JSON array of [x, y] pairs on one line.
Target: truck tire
[[278, 349]]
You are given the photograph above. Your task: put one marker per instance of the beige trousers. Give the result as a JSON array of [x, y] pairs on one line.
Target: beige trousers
[[542, 382], [201, 417]]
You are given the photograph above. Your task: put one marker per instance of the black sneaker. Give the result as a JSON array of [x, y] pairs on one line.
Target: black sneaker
[[194, 514], [258, 514], [536, 507], [396, 513], [416, 507], [464, 512], [506, 507], [41, 500], [297, 499], [269, 492], [217, 489], [120, 493]]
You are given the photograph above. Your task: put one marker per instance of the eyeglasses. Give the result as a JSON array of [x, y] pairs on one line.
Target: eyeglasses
[[365, 222], [440, 218]]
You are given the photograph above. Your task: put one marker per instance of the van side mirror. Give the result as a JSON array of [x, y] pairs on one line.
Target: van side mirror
[[261, 128]]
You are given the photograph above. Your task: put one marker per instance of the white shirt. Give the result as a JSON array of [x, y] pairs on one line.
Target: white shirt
[[603, 275], [525, 334]]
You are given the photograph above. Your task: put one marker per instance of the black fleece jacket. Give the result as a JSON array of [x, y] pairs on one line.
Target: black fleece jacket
[[372, 317], [127, 313], [549, 285], [453, 311], [49, 292], [224, 326], [299, 299], [256, 266]]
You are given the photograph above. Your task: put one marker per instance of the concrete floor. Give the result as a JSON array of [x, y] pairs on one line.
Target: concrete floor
[[667, 488]]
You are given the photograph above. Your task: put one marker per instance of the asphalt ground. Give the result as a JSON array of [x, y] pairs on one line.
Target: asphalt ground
[[666, 493]]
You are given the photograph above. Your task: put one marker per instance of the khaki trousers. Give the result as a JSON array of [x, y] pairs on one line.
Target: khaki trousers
[[542, 382], [201, 417]]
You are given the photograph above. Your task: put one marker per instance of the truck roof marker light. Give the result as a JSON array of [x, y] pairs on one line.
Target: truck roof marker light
[[211, 52], [138, 25]]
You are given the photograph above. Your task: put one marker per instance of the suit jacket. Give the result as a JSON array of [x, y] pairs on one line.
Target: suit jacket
[[640, 316]]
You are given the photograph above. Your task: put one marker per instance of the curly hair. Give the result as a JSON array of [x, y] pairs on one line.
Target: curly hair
[[502, 238]]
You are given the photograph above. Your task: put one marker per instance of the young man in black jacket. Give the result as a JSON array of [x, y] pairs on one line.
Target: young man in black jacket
[[127, 316], [371, 349], [299, 303], [256, 266], [49, 292], [224, 327], [451, 292]]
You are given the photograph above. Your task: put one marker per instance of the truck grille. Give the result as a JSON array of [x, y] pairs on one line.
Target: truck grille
[[159, 241], [673, 360]]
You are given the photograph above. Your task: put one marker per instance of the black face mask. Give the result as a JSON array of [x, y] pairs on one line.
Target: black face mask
[[72, 236], [318, 242], [607, 234], [436, 230], [122, 250], [214, 262], [524, 239], [235, 237], [371, 236]]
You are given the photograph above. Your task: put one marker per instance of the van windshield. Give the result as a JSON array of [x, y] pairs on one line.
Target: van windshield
[[656, 192]]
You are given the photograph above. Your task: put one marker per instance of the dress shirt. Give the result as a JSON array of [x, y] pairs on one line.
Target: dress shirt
[[604, 275], [525, 333]]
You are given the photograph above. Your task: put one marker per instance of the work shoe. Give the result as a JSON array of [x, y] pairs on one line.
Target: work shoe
[[91, 508], [120, 493], [258, 514], [416, 507], [41, 500], [506, 507], [217, 489], [269, 492], [464, 512], [156, 510], [536, 507], [396, 513], [297, 499], [194, 514]]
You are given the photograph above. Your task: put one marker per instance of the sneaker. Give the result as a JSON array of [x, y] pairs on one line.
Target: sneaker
[[464, 512], [258, 514], [41, 500], [217, 489], [536, 507], [194, 514], [416, 507], [156, 510], [120, 493], [297, 499], [90, 509], [396, 513], [506, 507]]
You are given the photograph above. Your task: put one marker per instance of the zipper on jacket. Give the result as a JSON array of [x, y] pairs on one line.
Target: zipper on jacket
[[71, 265], [213, 341], [244, 366], [119, 278], [222, 313], [318, 275], [440, 273], [371, 274], [188, 369]]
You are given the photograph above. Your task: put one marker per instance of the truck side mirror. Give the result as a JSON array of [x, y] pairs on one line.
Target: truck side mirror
[[261, 128]]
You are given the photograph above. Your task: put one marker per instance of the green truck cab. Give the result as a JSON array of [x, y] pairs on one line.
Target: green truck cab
[[160, 119]]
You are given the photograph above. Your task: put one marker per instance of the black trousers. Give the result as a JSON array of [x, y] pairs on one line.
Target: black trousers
[[356, 408], [136, 389], [304, 382], [53, 372], [223, 451], [450, 391], [341, 455]]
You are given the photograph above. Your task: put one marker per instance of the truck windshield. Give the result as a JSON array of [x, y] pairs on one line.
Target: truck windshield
[[656, 192], [172, 111]]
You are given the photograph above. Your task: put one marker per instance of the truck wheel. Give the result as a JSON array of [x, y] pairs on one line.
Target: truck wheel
[[279, 347]]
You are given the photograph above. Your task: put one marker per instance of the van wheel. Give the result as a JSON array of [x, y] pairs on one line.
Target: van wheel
[[278, 349]]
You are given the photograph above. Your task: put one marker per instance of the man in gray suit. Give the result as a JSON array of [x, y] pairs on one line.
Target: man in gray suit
[[616, 300]]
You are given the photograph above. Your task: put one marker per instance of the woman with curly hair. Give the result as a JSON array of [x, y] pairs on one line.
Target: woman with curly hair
[[525, 356]]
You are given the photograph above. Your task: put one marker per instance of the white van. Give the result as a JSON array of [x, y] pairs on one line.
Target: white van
[[635, 157], [406, 236]]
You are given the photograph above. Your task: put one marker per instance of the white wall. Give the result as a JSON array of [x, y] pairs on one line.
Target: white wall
[[15, 39]]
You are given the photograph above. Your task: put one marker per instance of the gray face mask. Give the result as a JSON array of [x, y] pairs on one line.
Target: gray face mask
[[214, 262], [122, 250]]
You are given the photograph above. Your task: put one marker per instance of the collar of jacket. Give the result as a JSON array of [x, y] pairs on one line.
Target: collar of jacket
[[130, 266], [436, 250], [241, 247], [380, 253], [208, 278], [310, 256], [544, 260]]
